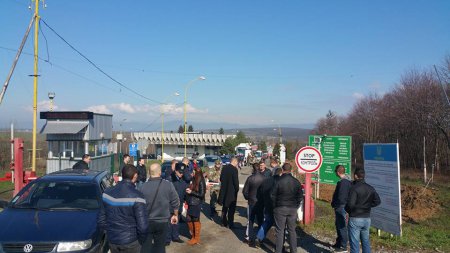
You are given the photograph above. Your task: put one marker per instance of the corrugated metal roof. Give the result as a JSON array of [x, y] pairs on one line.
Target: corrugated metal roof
[[63, 127]]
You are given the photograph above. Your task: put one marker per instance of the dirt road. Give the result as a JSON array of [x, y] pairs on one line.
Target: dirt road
[[217, 239]]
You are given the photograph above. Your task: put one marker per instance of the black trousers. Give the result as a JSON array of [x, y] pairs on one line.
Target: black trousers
[[134, 247], [285, 216], [228, 214], [156, 238]]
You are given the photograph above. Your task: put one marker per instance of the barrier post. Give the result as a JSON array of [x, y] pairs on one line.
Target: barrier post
[[18, 164]]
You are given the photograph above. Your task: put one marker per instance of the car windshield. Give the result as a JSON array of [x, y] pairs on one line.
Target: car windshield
[[211, 158], [58, 196]]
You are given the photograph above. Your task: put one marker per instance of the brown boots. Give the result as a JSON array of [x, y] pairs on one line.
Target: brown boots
[[191, 228], [196, 227]]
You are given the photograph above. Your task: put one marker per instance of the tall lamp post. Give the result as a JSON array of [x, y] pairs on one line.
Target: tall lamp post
[[162, 125], [120, 143], [185, 102], [279, 131]]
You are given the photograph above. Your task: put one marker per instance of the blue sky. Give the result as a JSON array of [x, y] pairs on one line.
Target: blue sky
[[287, 61]]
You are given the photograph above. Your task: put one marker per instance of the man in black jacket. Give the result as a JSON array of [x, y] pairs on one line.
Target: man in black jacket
[[229, 188], [361, 199], [83, 165], [338, 203], [142, 171], [286, 198], [250, 191], [265, 200], [124, 215]]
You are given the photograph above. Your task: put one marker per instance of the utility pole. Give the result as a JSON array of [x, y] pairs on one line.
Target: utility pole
[[35, 77]]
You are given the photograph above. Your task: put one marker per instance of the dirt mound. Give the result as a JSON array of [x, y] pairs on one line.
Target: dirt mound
[[418, 203], [326, 192]]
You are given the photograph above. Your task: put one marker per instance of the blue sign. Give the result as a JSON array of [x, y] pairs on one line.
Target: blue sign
[[133, 149], [381, 152]]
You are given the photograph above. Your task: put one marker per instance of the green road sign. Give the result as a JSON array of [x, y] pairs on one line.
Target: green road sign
[[335, 150]]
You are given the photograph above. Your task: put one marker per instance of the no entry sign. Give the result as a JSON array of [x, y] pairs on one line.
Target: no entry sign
[[308, 159]]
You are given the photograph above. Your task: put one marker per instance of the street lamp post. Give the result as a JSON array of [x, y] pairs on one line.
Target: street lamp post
[[185, 102], [279, 131], [120, 143], [162, 125]]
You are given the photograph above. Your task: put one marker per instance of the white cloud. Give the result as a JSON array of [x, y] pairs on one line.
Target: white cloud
[[99, 109], [358, 95], [179, 109], [123, 107], [126, 108], [43, 105]]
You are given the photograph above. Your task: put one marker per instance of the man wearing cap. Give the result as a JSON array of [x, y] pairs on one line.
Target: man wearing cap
[[214, 177], [181, 178]]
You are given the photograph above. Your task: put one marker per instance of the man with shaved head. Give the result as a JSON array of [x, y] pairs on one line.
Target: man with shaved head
[[162, 207]]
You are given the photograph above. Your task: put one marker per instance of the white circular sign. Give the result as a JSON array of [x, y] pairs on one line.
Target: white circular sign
[[308, 159]]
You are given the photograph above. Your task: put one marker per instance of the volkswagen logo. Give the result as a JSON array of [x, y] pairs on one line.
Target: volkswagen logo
[[27, 248]]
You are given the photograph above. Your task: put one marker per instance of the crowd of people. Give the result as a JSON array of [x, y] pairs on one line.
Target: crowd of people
[[142, 214]]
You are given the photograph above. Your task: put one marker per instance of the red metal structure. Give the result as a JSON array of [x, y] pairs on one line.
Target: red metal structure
[[20, 177], [309, 201]]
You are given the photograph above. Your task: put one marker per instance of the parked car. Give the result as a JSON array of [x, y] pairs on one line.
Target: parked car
[[165, 166], [225, 159], [211, 159], [56, 213]]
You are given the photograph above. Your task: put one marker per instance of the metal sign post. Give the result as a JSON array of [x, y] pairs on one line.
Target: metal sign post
[[308, 160]]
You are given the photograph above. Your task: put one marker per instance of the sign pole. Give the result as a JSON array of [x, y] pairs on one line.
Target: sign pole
[[307, 211], [308, 160]]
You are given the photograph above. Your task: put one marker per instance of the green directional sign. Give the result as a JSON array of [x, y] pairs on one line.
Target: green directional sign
[[335, 150]]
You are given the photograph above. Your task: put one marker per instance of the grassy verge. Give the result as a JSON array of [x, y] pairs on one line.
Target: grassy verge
[[5, 191], [431, 235]]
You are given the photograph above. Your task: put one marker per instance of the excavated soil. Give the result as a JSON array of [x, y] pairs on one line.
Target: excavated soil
[[418, 203]]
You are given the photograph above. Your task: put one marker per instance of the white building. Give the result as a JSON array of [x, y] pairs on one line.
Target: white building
[[204, 144]]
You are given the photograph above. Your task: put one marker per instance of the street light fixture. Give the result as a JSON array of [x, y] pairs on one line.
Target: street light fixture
[[162, 124], [51, 96], [201, 78]]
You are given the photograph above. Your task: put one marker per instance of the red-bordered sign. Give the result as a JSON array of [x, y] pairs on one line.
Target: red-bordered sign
[[308, 159]]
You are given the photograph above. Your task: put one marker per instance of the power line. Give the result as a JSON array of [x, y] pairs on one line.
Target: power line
[[68, 71], [98, 68]]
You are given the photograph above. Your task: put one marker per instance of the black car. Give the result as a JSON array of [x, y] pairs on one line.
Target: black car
[[56, 213]]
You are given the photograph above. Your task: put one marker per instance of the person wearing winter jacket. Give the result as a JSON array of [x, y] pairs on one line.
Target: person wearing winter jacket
[[195, 194]]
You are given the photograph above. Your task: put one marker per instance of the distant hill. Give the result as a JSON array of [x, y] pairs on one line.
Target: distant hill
[[265, 133]]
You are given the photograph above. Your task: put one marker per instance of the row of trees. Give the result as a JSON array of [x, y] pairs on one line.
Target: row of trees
[[181, 129], [415, 113]]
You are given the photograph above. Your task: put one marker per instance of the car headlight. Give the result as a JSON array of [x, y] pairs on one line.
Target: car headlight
[[74, 246]]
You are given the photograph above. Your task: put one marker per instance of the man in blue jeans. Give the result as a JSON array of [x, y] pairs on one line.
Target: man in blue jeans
[[361, 199], [338, 203]]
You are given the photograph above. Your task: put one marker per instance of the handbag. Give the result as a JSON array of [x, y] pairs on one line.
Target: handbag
[[184, 211]]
